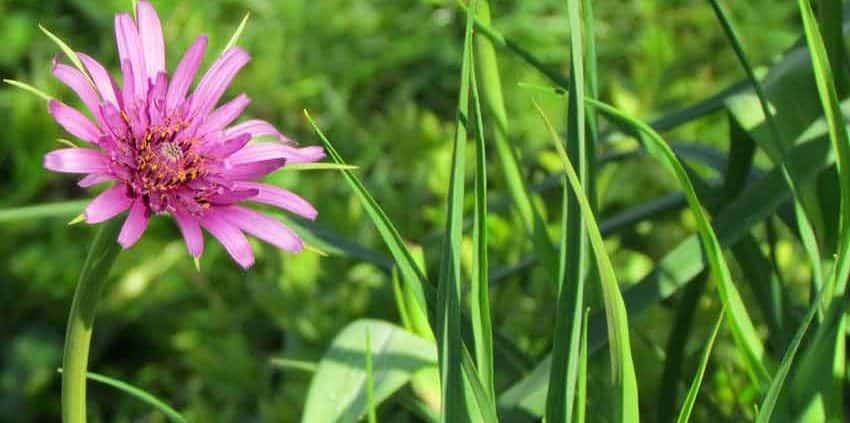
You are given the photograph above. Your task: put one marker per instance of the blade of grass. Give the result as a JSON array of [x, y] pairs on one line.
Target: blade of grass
[[288, 363], [626, 404], [139, 394], [830, 17], [482, 326], [742, 326], [449, 340], [803, 213], [573, 263], [29, 88], [238, 33], [581, 384], [487, 67], [690, 399], [41, 211], [69, 52], [675, 349]]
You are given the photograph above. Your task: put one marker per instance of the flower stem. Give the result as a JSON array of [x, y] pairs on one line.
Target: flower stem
[[101, 255]]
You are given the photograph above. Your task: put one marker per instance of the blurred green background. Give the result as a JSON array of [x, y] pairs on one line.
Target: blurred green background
[[381, 76]]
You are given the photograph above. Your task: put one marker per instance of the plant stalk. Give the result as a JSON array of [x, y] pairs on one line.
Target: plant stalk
[[93, 277]]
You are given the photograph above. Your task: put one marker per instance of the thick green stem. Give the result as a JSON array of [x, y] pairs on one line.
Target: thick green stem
[[81, 319]]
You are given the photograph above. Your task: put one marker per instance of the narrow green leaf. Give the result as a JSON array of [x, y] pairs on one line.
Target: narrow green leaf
[[777, 383], [318, 166], [29, 88], [238, 33], [482, 326], [487, 66], [573, 264], [831, 22], [449, 339], [137, 393], [69, 52], [300, 365], [623, 372], [693, 391], [742, 326], [41, 211], [581, 384], [803, 213]]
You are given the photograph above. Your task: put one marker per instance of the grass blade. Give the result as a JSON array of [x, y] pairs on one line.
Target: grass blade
[[482, 326], [626, 404], [29, 88], [238, 33], [804, 213], [573, 264], [742, 326], [42, 211], [581, 384], [139, 394], [487, 67], [69, 52], [449, 340], [690, 399]]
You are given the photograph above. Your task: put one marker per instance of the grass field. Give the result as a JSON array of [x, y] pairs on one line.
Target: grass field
[[698, 253]]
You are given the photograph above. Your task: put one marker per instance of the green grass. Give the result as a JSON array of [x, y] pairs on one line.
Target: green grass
[[683, 250]]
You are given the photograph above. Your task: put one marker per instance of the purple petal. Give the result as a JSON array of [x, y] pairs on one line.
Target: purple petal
[[113, 121], [272, 150], [150, 31], [233, 240], [233, 196], [224, 115], [74, 122], [94, 179], [222, 149], [217, 79], [257, 128], [135, 225], [263, 227], [77, 81], [102, 80], [108, 204], [278, 197], [185, 73], [76, 160], [128, 89], [130, 49], [191, 230], [254, 170], [156, 99]]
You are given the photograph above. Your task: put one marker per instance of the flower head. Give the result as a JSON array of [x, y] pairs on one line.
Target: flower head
[[168, 152]]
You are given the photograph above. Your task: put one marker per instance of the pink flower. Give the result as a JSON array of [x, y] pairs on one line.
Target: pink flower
[[171, 154]]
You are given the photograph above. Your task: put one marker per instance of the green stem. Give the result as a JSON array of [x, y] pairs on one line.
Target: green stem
[[101, 255]]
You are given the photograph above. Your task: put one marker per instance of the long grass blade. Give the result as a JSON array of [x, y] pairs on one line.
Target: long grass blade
[[693, 391], [623, 372], [238, 33], [69, 52], [29, 88], [139, 394], [573, 264], [482, 326], [742, 326], [804, 218], [581, 385], [449, 340], [487, 67]]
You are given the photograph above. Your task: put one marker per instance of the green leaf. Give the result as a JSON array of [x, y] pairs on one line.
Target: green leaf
[[520, 193], [69, 52], [574, 255], [29, 88], [338, 392], [581, 384], [370, 380], [448, 331], [741, 324], [693, 391], [139, 394], [527, 397], [623, 372], [42, 211], [482, 325], [238, 33]]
